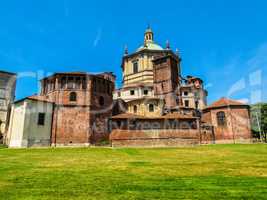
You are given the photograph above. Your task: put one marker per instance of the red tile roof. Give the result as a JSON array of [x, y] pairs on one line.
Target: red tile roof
[[39, 98], [224, 102], [35, 98]]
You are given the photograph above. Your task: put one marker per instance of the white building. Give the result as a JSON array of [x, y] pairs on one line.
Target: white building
[[30, 123]]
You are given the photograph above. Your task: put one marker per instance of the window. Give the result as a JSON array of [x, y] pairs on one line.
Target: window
[[119, 94], [2, 93], [3, 103], [135, 67], [196, 104], [70, 83], [221, 119], [41, 119], [118, 124], [84, 86], [185, 93], [63, 83], [132, 92], [145, 92], [135, 109], [78, 83], [101, 101], [151, 108], [186, 103], [73, 96]]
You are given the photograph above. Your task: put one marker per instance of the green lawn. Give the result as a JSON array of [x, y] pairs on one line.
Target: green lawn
[[205, 172]]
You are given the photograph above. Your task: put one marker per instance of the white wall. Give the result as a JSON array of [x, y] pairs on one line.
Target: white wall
[[138, 93], [24, 130], [15, 133], [38, 135]]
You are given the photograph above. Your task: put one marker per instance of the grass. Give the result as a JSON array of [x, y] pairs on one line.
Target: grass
[[205, 172]]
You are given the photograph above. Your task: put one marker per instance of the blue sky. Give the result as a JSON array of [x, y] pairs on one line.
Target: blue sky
[[222, 41]]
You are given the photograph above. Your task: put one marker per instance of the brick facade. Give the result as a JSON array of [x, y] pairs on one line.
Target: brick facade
[[166, 79], [235, 121], [154, 138], [163, 131], [82, 106]]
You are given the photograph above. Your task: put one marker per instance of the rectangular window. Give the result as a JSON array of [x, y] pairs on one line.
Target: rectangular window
[[3, 104], [145, 92], [70, 83], [185, 93], [78, 83], [41, 119], [186, 103], [151, 108], [3, 93], [63, 83], [196, 104], [84, 86], [132, 92], [135, 67]]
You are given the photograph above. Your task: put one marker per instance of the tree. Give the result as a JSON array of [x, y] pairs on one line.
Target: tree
[[259, 120]]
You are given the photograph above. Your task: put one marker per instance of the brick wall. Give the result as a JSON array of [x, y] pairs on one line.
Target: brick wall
[[83, 121], [154, 138], [166, 80], [71, 125], [237, 127]]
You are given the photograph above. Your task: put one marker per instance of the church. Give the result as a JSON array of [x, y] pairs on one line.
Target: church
[[155, 107], [72, 109], [166, 109]]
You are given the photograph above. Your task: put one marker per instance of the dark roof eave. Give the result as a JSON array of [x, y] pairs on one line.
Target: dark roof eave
[[64, 73], [146, 50], [225, 106], [32, 99], [9, 73]]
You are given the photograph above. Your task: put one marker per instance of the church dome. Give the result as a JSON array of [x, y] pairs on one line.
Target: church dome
[[149, 41], [150, 46]]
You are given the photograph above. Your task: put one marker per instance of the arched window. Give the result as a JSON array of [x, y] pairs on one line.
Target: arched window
[[101, 101], [151, 108], [135, 109], [221, 119], [73, 96]]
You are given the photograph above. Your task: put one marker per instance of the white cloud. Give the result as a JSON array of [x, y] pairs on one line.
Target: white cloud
[[98, 37]]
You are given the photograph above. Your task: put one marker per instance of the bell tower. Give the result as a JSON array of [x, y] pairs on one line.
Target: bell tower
[[149, 35]]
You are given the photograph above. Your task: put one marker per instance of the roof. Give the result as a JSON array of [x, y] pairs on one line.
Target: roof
[[35, 98], [167, 116], [150, 46], [100, 75], [39, 98], [9, 73], [224, 102], [144, 99], [66, 73], [127, 116]]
